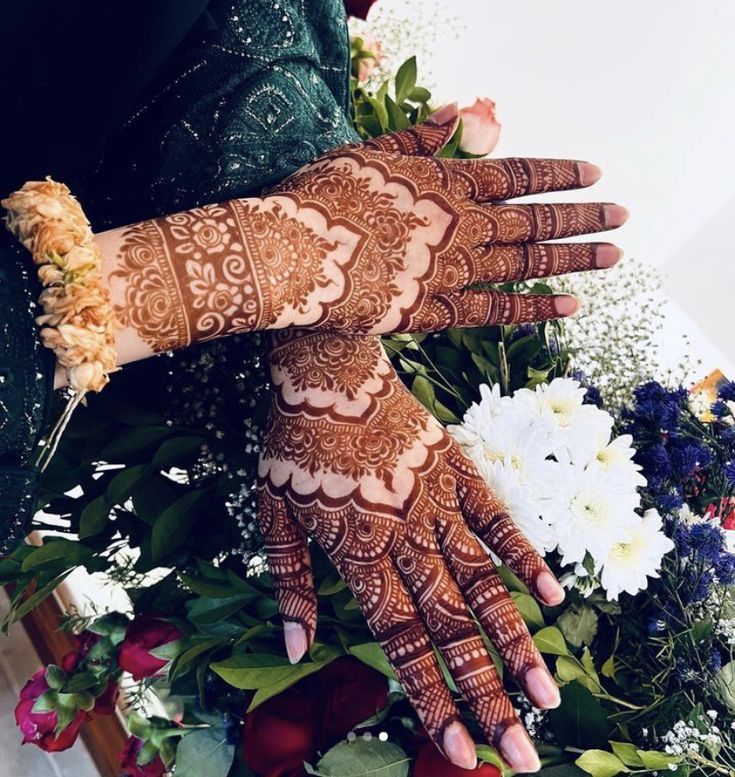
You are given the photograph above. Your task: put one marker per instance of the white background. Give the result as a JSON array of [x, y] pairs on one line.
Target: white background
[[643, 88]]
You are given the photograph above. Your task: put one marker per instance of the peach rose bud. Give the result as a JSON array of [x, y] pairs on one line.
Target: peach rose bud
[[480, 129]]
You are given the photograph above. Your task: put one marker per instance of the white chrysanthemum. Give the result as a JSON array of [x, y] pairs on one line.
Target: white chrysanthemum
[[504, 480], [616, 460], [479, 418], [638, 557], [581, 430], [588, 511]]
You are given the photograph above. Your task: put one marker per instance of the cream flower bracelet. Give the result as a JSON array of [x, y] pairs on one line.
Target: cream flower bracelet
[[78, 322]]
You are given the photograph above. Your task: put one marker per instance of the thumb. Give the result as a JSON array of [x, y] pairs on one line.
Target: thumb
[[424, 139], [290, 567]]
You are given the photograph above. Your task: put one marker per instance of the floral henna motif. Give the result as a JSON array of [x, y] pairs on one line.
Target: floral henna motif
[[371, 238], [356, 463]]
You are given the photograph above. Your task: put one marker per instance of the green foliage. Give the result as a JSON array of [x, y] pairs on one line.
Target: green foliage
[[363, 757]]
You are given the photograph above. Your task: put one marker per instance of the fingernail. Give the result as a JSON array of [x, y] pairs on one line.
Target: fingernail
[[459, 747], [550, 589], [615, 215], [295, 638], [541, 687], [444, 115], [518, 750], [606, 255], [565, 305], [588, 173]]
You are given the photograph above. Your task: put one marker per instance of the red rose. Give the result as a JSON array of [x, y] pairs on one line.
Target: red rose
[[144, 634], [85, 642], [311, 716], [39, 727], [431, 763], [281, 734], [346, 692], [106, 702], [129, 761], [358, 8]]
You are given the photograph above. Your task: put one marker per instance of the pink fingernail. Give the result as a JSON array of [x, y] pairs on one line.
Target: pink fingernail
[[444, 115], [615, 215], [566, 305], [295, 639], [606, 255], [459, 747], [542, 689], [588, 173], [518, 750], [549, 588]]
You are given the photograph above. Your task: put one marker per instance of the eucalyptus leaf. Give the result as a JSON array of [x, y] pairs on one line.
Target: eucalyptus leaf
[[205, 752]]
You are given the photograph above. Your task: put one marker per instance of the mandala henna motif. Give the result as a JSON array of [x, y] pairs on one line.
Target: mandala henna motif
[[370, 238], [357, 464]]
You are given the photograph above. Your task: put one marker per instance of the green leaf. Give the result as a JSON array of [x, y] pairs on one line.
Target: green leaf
[[529, 609], [133, 440], [183, 662], [396, 117], [723, 685], [600, 763], [208, 610], [58, 549], [250, 671], [653, 759], [627, 753], [176, 449], [125, 482], [405, 79], [205, 752], [550, 640], [363, 757], [16, 613], [55, 677], [372, 655], [171, 527], [579, 721], [419, 95], [94, 517], [578, 624]]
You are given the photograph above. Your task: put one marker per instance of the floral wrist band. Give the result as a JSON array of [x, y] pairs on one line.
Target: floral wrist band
[[78, 323]]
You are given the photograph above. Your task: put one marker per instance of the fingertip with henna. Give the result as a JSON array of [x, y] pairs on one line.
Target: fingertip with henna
[[294, 636], [566, 305], [459, 747], [588, 173], [447, 113], [550, 589], [542, 688], [518, 751], [615, 215]]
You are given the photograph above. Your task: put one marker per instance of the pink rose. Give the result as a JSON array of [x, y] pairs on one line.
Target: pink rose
[[39, 728], [129, 761], [366, 65], [480, 129], [144, 634]]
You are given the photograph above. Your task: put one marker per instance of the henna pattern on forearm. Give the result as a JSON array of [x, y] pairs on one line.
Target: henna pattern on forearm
[[370, 238], [351, 459]]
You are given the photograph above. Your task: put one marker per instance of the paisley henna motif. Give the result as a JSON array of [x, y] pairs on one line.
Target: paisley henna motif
[[370, 238], [355, 462]]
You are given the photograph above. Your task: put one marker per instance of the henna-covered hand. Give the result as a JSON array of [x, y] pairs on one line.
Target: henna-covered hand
[[374, 237], [351, 459]]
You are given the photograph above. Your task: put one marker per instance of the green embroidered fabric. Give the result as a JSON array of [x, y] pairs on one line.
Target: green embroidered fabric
[[256, 89]]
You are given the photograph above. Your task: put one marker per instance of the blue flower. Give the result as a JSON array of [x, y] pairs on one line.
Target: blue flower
[[726, 391], [706, 541], [725, 569], [715, 660], [728, 470], [656, 464], [687, 457]]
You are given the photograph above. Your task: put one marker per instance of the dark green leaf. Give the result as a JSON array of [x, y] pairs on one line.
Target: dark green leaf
[[405, 79]]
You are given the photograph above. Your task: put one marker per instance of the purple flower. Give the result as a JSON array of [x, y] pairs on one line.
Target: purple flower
[[726, 391]]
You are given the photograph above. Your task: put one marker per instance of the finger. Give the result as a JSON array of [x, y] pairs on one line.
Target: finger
[[501, 179], [521, 261], [442, 607], [533, 223], [487, 517], [470, 308], [496, 611], [424, 139], [394, 621], [290, 566]]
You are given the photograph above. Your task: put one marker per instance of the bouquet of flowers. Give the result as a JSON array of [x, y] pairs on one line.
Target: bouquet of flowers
[[632, 506]]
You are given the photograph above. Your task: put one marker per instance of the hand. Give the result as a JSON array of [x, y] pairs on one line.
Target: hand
[[371, 238], [352, 459]]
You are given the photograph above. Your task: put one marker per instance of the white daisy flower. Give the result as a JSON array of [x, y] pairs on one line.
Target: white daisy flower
[[631, 561], [616, 460], [588, 511]]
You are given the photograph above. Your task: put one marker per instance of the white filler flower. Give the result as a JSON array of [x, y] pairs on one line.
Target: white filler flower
[[631, 562]]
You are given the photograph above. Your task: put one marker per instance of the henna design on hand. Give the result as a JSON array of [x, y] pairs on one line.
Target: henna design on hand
[[351, 459], [370, 238]]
